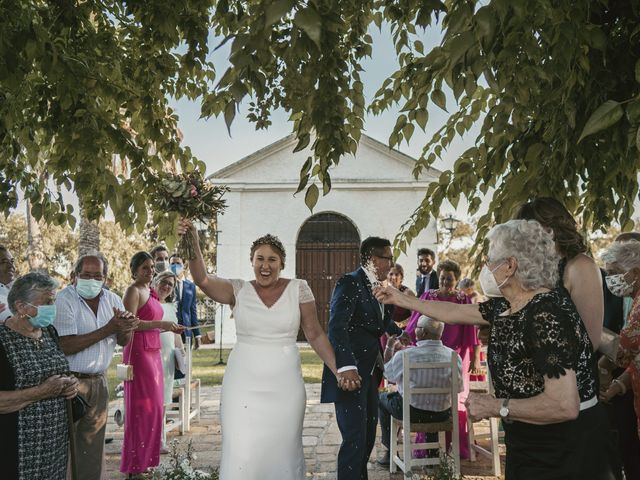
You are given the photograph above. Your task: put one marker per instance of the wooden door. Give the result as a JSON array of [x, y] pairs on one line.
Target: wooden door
[[327, 248]]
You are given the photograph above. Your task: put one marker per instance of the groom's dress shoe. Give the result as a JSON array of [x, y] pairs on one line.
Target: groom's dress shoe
[[385, 459]]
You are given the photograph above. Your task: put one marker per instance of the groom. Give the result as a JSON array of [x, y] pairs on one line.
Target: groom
[[356, 323]]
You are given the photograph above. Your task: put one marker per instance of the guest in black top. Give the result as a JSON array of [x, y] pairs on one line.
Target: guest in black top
[[539, 356]]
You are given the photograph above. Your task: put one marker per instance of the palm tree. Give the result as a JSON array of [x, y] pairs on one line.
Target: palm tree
[[35, 253]]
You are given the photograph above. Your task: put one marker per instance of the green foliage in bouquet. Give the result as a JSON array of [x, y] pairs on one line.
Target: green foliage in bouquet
[[187, 195], [180, 467]]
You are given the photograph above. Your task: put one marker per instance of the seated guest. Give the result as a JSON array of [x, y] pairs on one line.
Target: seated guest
[[425, 408], [34, 383]]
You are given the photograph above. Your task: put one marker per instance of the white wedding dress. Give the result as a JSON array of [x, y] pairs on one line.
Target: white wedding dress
[[263, 396]]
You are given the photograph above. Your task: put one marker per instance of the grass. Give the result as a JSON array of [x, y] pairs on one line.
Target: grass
[[210, 374]]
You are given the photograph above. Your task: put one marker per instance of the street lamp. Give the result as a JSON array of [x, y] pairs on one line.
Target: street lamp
[[450, 223]]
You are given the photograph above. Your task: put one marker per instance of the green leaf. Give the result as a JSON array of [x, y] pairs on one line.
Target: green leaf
[[422, 116], [276, 10], [310, 22], [439, 98], [229, 115], [605, 116], [303, 142], [311, 197]]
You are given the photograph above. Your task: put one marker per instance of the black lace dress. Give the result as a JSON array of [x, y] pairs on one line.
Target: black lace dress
[[546, 338]]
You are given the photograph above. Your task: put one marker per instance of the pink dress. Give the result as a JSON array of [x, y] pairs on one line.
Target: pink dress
[[144, 395], [462, 339]]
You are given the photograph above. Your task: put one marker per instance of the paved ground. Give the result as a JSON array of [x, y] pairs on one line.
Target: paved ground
[[321, 440]]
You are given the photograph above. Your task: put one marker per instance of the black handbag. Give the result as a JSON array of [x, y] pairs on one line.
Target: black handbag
[[79, 407]]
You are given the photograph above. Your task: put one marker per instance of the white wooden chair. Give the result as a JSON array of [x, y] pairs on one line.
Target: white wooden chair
[[407, 462], [187, 407], [493, 452]]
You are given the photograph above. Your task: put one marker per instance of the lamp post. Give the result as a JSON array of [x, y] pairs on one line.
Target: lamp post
[[450, 223], [220, 360]]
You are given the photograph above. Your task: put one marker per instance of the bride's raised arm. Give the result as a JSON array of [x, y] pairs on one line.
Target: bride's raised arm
[[446, 312], [218, 289]]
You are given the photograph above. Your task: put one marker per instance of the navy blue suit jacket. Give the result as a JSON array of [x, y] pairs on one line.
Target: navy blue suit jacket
[[433, 284], [187, 314], [356, 324]]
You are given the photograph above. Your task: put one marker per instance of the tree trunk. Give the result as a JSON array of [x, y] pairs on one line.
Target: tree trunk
[[35, 253], [89, 238]]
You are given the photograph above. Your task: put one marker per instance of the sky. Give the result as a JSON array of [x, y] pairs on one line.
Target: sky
[[211, 143]]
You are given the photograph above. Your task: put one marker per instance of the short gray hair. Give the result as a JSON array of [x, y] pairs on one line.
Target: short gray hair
[[26, 287], [431, 326], [532, 246], [626, 254], [94, 254], [466, 283]]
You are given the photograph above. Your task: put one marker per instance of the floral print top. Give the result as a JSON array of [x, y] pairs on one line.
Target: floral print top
[[545, 338], [629, 352]]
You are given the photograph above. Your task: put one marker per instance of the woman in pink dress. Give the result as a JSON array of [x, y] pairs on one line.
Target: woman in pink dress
[[144, 395], [461, 338]]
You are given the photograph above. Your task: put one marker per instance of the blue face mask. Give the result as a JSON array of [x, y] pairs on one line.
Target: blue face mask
[[176, 268], [45, 316], [88, 288]]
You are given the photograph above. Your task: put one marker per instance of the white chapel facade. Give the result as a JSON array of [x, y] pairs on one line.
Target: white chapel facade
[[373, 193]]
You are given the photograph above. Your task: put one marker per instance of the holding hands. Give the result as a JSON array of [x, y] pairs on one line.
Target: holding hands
[[349, 380]]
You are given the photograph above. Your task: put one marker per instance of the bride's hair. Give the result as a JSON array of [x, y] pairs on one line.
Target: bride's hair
[[274, 242]]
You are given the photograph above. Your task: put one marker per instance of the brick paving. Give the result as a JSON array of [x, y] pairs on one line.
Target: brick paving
[[321, 440]]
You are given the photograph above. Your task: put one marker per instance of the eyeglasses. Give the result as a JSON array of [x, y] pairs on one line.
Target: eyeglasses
[[165, 283], [89, 276]]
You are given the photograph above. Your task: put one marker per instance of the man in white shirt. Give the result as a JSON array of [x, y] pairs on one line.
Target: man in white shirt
[[90, 321], [425, 408], [7, 276]]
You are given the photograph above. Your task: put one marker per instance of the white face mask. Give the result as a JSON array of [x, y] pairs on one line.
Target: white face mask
[[488, 282], [162, 266], [618, 285]]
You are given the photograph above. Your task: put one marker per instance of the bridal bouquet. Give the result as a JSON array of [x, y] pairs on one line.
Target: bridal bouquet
[[186, 195]]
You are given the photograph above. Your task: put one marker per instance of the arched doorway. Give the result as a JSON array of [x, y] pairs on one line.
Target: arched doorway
[[327, 248]]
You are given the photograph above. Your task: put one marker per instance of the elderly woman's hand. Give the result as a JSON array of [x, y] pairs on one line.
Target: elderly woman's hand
[[55, 385], [71, 390], [482, 405]]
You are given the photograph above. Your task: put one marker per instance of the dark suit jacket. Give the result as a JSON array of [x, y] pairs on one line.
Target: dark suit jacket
[[187, 314], [355, 326], [613, 308], [434, 283]]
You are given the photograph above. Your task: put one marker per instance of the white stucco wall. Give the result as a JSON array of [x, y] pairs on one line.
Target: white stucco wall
[[374, 190]]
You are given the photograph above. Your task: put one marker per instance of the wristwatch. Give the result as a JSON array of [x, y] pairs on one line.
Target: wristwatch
[[504, 410]]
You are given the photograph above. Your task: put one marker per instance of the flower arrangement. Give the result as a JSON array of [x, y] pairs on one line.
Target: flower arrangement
[[180, 467], [186, 195]]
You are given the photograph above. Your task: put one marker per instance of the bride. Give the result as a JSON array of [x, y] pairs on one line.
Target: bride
[[263, 396]]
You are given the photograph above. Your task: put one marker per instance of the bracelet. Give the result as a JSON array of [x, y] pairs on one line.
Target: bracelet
[[623, 387]]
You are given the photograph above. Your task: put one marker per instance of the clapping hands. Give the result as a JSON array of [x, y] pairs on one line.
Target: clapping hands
[[123, 322]]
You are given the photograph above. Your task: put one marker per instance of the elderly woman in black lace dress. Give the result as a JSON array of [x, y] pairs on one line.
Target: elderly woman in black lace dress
[[34, 383], [539, 355]]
